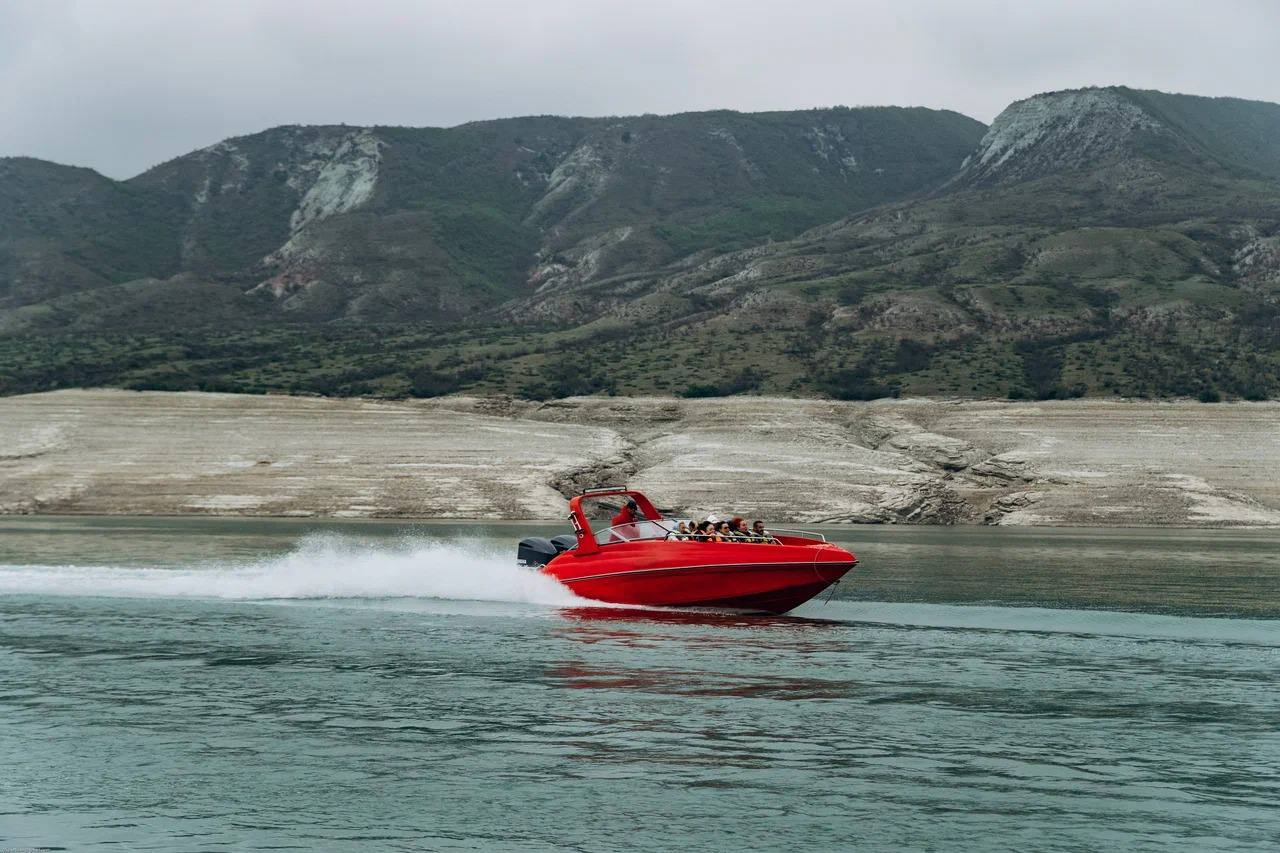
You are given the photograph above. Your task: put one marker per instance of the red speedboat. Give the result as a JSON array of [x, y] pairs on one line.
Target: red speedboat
[[647, 562]]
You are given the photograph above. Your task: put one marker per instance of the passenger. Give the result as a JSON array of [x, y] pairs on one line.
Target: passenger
[[682, 531], [758, 531], [723, 532], [702, 532], [739, 527]]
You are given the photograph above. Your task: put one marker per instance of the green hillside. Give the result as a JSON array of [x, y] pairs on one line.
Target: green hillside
[[432, 224], [65, 229], [1238, 134], [1090, 242]]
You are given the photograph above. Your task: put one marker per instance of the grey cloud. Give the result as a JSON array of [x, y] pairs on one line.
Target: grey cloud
[[122, 85]]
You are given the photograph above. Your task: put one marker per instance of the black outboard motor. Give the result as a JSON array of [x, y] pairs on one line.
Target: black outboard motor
[[536, 551], [565, 542]]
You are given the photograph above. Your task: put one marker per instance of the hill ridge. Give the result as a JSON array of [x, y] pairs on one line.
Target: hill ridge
[[1101, 240]]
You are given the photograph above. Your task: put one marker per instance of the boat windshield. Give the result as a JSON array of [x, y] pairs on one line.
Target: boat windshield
[[636, 531]]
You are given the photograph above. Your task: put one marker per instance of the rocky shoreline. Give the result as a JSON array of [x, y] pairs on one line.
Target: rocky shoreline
[[1077, 462]]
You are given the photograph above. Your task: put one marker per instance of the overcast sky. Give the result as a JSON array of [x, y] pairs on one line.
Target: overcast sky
[[120, 85]]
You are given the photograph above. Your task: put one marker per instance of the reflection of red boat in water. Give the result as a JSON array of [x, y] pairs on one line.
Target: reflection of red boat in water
[[647, 562]]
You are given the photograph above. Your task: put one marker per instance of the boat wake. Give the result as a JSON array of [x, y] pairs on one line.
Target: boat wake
[[322, 566]]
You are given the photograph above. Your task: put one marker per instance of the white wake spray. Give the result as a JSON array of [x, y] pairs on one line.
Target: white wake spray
[[323, 566]]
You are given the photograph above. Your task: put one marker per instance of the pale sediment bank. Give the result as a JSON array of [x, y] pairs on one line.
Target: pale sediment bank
[[1080, 462]]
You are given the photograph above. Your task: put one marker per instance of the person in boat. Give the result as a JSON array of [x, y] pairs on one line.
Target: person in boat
[[723, 532], [739, 527], [706, 532], [627, 524], [682, 531], [629, 514], [758, 531], [745, 531]]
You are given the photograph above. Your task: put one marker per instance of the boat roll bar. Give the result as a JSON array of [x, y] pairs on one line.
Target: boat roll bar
[[582, 527]]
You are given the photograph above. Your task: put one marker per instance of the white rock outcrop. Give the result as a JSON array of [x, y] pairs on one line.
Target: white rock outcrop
[[1056, 132], [341, 176]]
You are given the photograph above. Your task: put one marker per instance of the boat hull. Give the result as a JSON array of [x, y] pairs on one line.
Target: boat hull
[[760, 578]]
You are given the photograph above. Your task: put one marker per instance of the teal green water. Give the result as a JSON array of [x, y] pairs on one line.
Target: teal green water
[[203, 684]]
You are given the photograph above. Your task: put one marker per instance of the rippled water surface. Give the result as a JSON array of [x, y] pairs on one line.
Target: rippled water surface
[[205, 684]]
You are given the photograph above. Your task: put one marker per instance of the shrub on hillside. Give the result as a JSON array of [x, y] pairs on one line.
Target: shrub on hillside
[[427, 381], [566, 377], [747, 379], [858, 384]]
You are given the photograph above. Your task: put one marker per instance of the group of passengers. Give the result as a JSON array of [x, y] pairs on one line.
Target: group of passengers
[[713, 529], [723, 530]]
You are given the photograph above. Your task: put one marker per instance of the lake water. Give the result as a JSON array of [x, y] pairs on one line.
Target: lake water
[[209, 684]]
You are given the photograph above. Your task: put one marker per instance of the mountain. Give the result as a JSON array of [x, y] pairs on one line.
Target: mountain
[[431, 224], [1086, 129], [64, 229], [1096, 241]]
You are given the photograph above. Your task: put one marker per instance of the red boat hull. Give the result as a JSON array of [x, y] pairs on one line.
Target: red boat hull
[[756, 577]]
